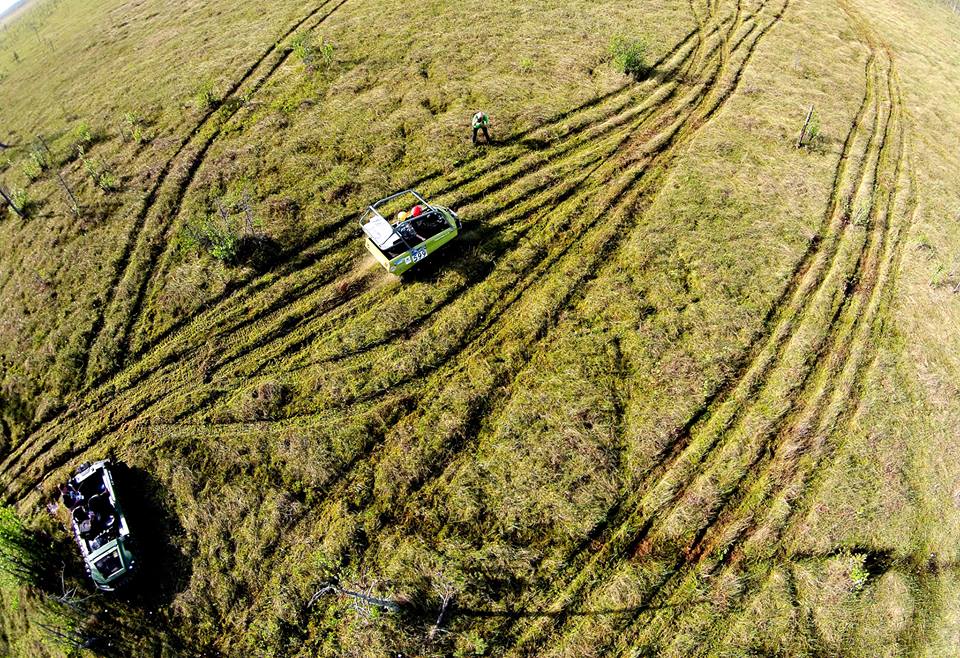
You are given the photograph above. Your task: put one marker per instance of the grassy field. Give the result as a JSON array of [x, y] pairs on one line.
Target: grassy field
[[680, 388]]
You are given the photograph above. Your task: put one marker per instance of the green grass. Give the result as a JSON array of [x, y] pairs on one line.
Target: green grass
[[680, 388]]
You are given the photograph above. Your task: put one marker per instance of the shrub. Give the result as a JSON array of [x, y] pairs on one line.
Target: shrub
[[208, 235], [36, 164], [31, 170], [813, 131], [629, 55], [132, 129], [83, 135], [859, 575], [216, 234], [312, 55], [100, 175], [21, 199], [205, 97]]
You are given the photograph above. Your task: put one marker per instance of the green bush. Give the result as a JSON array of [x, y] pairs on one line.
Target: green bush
[[629, 55], [813, 131], [858, 572], [83, 135], [101, 176], [36, 164], [205, 97], [217, 235], [21, 199], [31, 170]]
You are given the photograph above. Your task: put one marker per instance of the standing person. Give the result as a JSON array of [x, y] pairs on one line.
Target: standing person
[[481, 122]]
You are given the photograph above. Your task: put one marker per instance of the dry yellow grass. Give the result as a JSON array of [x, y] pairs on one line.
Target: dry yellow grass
[[680, 388]]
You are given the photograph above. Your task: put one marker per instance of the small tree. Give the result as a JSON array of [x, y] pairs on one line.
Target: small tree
[[205, 96], [101, 176], [629, 55], [18, 201]]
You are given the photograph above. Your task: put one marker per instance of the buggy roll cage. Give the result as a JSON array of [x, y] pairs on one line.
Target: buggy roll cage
[[378, 236]]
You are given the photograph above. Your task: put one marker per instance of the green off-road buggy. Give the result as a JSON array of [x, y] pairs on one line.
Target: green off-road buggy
[[413, 234], [99, 525]]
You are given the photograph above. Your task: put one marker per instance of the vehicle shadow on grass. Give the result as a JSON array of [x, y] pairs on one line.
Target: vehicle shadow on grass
[[163, 570], [454, 257], [136, 619], [472, 255]]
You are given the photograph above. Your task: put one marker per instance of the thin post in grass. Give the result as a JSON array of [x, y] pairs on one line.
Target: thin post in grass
[[803, 130], [6, 197], [74, 206]]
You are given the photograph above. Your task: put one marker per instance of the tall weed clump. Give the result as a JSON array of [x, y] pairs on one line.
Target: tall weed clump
[[36, 164], [313, 55], [101, 176], [83, 135], [628, 55], [205, 97], [214, 234], [132, 128], [228, 237]]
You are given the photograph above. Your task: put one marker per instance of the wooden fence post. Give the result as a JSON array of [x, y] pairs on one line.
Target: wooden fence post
[[74, 206], [803, 131]]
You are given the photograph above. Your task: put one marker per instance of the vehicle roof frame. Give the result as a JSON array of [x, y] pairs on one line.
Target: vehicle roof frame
[[372, 212]]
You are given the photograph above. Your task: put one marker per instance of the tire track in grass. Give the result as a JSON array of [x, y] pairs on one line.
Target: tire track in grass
[[797, 497], [749, 496], [135, 234], [160, 385], [155, 258], [54, 440], [776, 317], [300, 261], [694, 547], [613, 552], [760, 529]]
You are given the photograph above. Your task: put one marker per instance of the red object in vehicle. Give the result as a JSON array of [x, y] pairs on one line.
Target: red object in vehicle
[[417, 210]]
